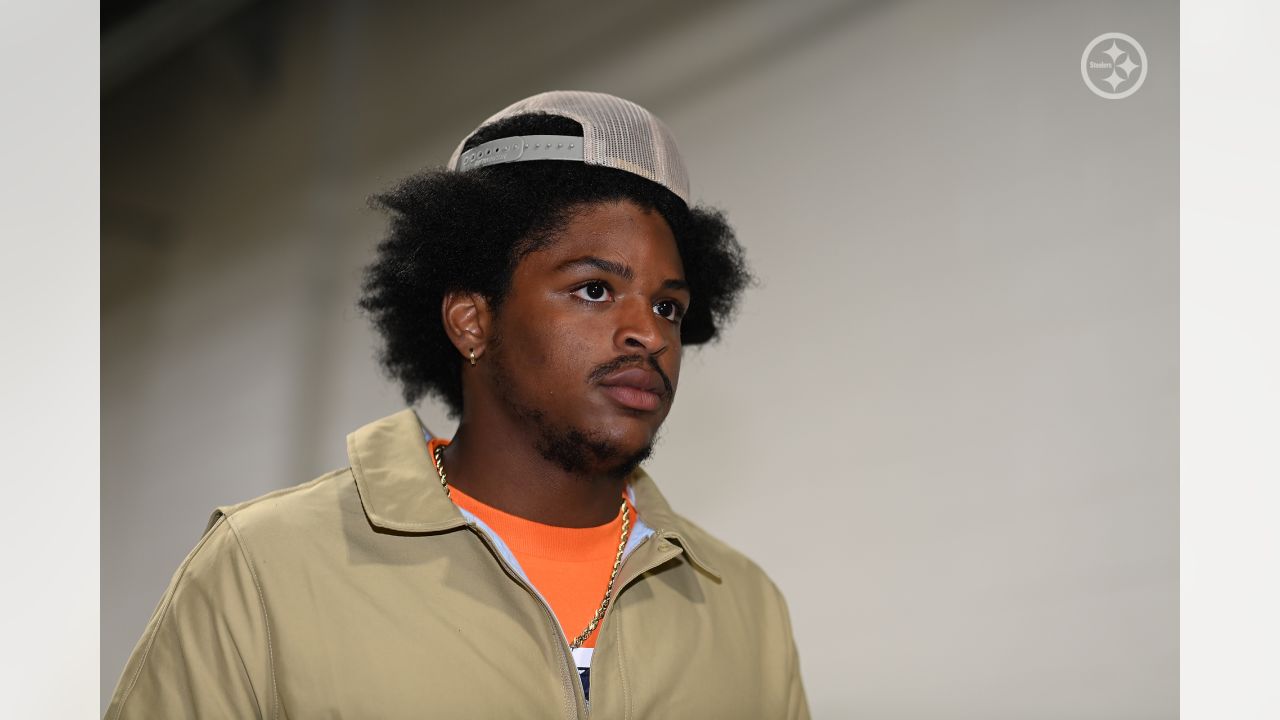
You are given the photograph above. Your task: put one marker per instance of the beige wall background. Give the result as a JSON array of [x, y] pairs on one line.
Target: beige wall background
[[945, 422]]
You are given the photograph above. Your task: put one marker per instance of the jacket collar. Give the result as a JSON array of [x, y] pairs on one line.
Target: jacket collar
[[654, 510], [397, 479], [397, 483]]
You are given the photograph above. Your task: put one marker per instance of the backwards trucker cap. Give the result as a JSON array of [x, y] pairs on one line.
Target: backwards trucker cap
[[616, 133]]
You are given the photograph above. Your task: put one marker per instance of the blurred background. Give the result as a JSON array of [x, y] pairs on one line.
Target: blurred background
[[945, 423]]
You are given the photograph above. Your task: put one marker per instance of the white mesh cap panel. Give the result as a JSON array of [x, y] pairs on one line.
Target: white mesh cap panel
[[616, 133]]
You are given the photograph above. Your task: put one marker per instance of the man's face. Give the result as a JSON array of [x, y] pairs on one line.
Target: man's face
[[587, 342]]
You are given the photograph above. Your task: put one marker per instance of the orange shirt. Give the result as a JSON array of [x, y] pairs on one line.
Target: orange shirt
[[569, 566]]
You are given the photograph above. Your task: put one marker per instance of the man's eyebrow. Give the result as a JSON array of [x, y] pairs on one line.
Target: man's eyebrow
[[599, 264], [613, 268], [616, 268]]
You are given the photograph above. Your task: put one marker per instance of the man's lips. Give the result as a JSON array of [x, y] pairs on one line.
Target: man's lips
[[636, 388]]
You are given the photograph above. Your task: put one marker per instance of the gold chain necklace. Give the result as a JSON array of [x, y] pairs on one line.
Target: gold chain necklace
[[617, 562]]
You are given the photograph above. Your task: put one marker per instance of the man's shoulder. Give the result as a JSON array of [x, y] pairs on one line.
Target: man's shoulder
[[299, 508]]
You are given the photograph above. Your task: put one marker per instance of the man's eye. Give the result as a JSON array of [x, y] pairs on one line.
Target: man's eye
[[593, 292], [669, 309]]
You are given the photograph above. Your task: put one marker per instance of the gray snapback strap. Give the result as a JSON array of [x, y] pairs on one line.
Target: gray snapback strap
[[519, 149]]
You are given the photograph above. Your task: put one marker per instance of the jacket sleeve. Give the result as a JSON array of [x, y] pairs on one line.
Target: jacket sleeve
[[797, 703], [206, 651]]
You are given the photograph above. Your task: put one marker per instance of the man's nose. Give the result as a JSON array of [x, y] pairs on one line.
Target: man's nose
[[638, 327]]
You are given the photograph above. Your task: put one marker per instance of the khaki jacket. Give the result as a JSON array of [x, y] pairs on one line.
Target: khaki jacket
[[366, 593]]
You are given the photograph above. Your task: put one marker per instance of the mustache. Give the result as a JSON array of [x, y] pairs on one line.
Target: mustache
[[623, 361]]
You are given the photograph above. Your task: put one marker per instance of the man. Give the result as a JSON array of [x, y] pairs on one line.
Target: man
[[543, 286]]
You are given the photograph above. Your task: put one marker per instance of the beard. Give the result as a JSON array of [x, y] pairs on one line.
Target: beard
[[578, 452], [574, 450]]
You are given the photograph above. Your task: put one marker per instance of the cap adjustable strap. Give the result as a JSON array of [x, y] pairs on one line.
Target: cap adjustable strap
[[522, 148]]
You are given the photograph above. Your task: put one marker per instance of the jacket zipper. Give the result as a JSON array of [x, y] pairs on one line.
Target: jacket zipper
[[568, 669]]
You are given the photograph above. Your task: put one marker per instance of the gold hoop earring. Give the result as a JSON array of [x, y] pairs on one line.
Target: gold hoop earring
[[472, 353]]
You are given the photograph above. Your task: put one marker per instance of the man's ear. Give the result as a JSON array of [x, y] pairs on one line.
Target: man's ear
[[468, 320]]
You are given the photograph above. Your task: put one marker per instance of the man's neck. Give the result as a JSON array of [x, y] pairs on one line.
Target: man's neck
[[501, 467]]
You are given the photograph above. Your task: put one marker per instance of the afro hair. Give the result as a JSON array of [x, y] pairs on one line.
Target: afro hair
[[467, 231]]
